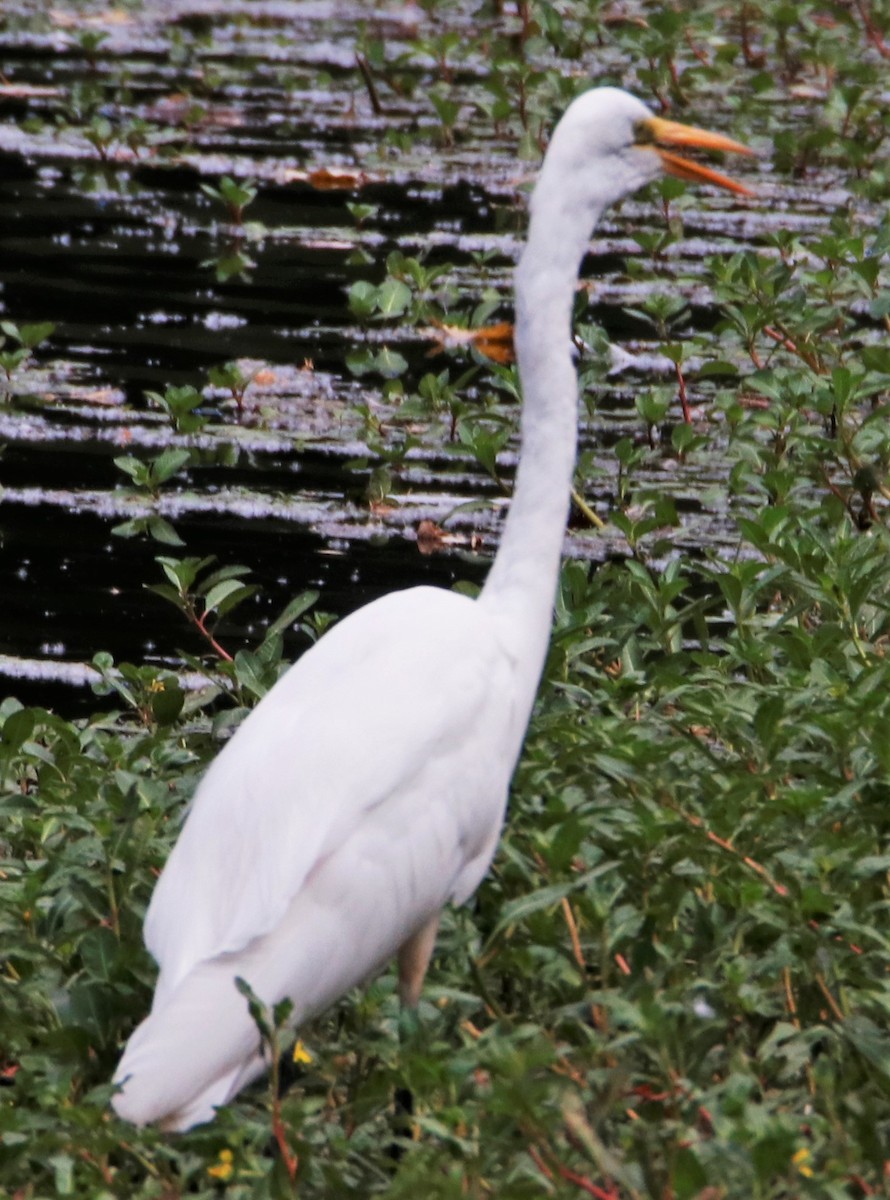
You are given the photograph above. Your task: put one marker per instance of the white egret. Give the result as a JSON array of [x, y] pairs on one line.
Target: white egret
[[368, 788]]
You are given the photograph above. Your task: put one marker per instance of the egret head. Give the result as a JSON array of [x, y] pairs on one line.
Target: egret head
[[609, 143]]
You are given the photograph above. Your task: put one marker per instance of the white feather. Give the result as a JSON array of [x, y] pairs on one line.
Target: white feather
[[368, 788], [356, 800]]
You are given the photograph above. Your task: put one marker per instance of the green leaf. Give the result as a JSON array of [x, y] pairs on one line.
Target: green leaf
[[292, 612], [255, 1007], [32, 335], [162, 531], [99, 952], [167, 701], [89, 1007], [871, 1041], [544, 898], [390, 363], [130, 466], [689, 1177], [362, 299], [166, 592], [281, 1012], [17, 729], [393, 298], [166, 465], [251, 673], [227, 595], [63, 1173]]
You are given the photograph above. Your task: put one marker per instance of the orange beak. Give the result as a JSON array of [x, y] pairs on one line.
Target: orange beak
[[659, 133]]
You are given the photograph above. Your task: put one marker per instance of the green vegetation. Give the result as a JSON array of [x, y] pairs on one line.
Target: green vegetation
[[675, 984], [17, 344]]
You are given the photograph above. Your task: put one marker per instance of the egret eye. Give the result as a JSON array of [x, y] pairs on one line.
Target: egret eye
[[644, 134]]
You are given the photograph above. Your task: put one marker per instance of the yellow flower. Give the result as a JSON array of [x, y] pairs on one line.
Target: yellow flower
[[224, 1169], [800, 1158], [301, 1054]]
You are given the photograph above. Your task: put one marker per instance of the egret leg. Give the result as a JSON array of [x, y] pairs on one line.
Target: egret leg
[[414, 958]]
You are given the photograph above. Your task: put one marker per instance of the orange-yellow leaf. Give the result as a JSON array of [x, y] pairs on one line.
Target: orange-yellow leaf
[[326, 179], [493, 341]]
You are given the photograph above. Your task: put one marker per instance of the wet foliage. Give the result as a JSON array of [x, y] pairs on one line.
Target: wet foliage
[[674, 983]]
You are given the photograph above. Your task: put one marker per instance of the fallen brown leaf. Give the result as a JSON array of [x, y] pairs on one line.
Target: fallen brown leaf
[[430, 537], [493, 341], [326, 179]]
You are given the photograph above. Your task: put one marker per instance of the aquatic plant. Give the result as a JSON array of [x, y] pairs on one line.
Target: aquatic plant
[[25, 339], [233, 195]]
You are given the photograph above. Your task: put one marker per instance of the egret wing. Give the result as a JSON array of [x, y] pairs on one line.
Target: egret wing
[[406, 681]]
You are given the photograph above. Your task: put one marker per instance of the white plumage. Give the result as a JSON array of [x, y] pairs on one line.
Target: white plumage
[[368, 788]]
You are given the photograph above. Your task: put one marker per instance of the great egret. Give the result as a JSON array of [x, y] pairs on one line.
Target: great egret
[[368, 788]]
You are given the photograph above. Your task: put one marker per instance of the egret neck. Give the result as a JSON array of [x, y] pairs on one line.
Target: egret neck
[[523, 577]]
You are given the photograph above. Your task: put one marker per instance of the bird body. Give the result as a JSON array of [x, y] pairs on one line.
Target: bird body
[[368, 788], [289, 875], [381, 704]]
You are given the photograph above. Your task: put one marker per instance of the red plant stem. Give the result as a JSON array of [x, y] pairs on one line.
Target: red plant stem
[[783, 341], [779, 335], [684, 399], [585, 1184], [577, 952], [750, 863], [581, 1181], [290, 1160], [872, 32], [220, 650]]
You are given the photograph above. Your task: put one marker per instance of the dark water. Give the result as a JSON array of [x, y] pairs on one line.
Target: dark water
[[120, 254], [116, 255]]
